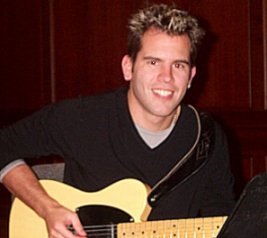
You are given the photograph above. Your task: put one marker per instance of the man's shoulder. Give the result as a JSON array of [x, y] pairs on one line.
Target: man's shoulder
[[92, 101], [104, 97]]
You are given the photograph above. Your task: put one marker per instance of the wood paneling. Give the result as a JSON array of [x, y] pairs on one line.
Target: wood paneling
[[24, 59], [247, 133], [224, 59], [256, 40], [90, 40]]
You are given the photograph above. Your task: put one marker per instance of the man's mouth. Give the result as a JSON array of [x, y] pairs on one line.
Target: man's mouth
[[162, 92]]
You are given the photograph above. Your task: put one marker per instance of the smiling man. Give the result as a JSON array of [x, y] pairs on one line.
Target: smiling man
[[159, 78], [143, 131]]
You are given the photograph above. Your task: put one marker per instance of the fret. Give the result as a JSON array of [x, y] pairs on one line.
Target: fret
[[182, 228]]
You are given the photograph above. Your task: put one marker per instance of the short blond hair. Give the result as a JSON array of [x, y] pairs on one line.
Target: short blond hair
[[168, 19]]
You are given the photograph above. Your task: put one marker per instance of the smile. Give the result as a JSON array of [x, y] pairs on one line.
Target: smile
[[163, 93]]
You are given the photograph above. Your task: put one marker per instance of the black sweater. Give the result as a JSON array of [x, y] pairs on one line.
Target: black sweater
[[100, 145]]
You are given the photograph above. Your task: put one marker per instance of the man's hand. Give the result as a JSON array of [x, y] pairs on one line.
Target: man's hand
[[59, 219]]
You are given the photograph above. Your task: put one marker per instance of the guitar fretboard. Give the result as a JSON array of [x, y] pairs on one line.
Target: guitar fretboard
[[182, 228]]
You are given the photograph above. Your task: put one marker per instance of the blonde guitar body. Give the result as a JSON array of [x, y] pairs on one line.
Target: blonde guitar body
[[128, 196]]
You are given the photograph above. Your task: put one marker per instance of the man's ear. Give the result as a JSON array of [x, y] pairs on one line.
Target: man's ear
[[127, 67], [192, 75]]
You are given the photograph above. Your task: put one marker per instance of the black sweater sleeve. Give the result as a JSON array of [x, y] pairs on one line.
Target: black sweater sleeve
[[37, 135]]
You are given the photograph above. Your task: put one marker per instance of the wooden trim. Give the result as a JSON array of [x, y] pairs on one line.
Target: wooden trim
[[52, 50], [265, 51], [256, 55]]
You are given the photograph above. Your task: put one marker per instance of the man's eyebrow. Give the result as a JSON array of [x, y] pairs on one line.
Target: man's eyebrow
[[183, 61], [151, 57]]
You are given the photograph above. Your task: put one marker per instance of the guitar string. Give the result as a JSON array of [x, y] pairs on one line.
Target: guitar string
[[146, 224], [172, 234], [149, 222], [100, 230]]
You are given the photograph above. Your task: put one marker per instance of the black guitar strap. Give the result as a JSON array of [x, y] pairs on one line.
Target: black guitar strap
[[191, 163]]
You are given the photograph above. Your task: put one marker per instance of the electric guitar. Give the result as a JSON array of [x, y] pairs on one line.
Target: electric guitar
[[119, 210]]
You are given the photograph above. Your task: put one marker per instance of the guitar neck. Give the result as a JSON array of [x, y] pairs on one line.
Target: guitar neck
[[182, 228]]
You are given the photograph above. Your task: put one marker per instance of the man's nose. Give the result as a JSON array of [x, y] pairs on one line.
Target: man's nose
[[166, 74]]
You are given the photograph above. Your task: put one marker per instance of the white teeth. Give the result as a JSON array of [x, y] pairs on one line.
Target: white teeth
[[162, 92]]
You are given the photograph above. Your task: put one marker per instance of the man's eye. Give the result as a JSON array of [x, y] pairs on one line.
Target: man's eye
[[179, 65], [152, 62]]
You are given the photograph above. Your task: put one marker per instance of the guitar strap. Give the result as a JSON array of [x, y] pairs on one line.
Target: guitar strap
[[191, 163]]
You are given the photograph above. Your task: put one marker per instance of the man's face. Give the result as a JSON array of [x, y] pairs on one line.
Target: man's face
[[160, 75]]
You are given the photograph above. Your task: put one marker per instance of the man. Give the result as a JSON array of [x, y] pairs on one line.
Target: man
[[143, 132]]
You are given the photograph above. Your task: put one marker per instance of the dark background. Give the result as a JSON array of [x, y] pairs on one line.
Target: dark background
[[56, 49]]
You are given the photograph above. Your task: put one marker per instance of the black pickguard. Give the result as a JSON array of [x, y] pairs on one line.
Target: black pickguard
[[101, 221]]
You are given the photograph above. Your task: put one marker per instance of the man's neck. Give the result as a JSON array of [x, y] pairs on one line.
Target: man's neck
[[155, 123]]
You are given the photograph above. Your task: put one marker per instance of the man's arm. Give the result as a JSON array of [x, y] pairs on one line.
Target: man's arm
[[22, 182]]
